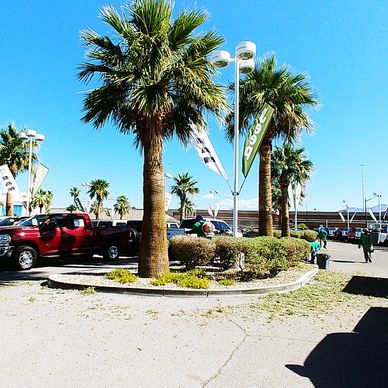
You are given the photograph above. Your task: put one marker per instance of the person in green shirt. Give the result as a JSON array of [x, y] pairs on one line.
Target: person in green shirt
[[322, 236], [367, 246], [315, 246]]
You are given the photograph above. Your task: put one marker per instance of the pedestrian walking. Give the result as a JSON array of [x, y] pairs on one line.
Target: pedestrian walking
[[367, 246], [322, 237]]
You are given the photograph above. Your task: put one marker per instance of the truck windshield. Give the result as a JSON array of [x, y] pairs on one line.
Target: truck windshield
[[33, 221]]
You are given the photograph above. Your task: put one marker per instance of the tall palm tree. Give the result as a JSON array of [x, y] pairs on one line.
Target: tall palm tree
[[156, 80], [289, 94], [184, 185], [75, 192], [14, 152], [42, 199], [122, 206], [294, 169], [98, 189]]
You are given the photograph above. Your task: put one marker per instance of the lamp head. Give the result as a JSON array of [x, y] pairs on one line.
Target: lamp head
[[23, 135], [39, 137], [247, 65], [246, 50], [31, 133], [220, 58]]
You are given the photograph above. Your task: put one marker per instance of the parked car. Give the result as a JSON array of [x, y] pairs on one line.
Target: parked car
[[345, 232], [338, 234], [108, 223], [137, 226], [358, 233], [351, 234], [331, 231], [7, 221], [61, 234], [220, 225]]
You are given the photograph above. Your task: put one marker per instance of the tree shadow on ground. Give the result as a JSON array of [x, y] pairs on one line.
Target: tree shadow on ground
[[368, 286], [356, 359], [47, 266]]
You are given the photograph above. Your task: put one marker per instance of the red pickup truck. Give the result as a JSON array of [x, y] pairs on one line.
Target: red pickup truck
[[62, 234]]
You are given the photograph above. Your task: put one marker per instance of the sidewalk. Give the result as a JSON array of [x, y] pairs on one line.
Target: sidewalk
[[347, 257]]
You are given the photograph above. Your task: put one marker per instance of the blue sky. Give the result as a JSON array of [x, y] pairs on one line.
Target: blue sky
[[341, 45]]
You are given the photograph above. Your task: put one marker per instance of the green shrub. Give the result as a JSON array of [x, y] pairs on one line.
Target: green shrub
[[310, 235], [302, 226], [228, 250], [264, 256], [226, 282], [296, 233], [192, 251], [277, 233], [296, 250], [121, 275], [190, 279]]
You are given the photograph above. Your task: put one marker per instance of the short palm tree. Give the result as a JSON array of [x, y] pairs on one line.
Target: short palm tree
[[289, 94], [71, 208], [293, 168], [98, 189], [184, 185], [14, 152], [42, 199], [156, 80], [122, 206], [189, 208]]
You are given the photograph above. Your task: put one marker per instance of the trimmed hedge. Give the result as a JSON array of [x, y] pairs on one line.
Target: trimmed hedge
[[228, 251], [192, 251], [258, 257]]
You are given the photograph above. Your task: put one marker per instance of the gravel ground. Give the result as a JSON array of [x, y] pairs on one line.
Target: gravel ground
[[284, 277], [57, 338]]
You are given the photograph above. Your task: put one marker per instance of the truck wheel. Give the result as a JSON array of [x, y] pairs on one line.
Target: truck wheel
[[111, 251], [25, 257]]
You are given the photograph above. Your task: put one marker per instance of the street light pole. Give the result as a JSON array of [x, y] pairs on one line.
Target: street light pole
[[362, 190], [30, 135], [379, 198], [214, 192], [245, 53], [347, 212]]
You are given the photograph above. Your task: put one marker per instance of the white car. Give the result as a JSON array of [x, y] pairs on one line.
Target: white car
[[221, 226]]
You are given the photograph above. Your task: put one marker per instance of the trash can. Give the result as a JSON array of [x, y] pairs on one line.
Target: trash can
[[323, 260]]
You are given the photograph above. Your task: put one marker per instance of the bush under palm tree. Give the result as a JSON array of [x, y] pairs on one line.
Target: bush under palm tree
[[156, 80]]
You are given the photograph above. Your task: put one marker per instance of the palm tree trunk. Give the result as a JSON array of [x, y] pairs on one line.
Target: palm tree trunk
[[9, 205], [265, 195], [153, 260], [285, 213]]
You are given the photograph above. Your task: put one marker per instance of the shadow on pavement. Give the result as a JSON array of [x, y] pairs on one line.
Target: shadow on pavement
[[356, 359], [368, 286], [47, 266], [347, 261]]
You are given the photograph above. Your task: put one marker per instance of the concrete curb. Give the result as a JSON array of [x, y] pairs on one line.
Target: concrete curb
[[55, 282]]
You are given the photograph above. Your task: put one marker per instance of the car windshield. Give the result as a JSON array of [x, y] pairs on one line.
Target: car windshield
[[7, 221], [33, 221]]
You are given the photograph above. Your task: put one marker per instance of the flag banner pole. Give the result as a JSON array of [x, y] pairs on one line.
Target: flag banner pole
[[255, 137], [206, 151]]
